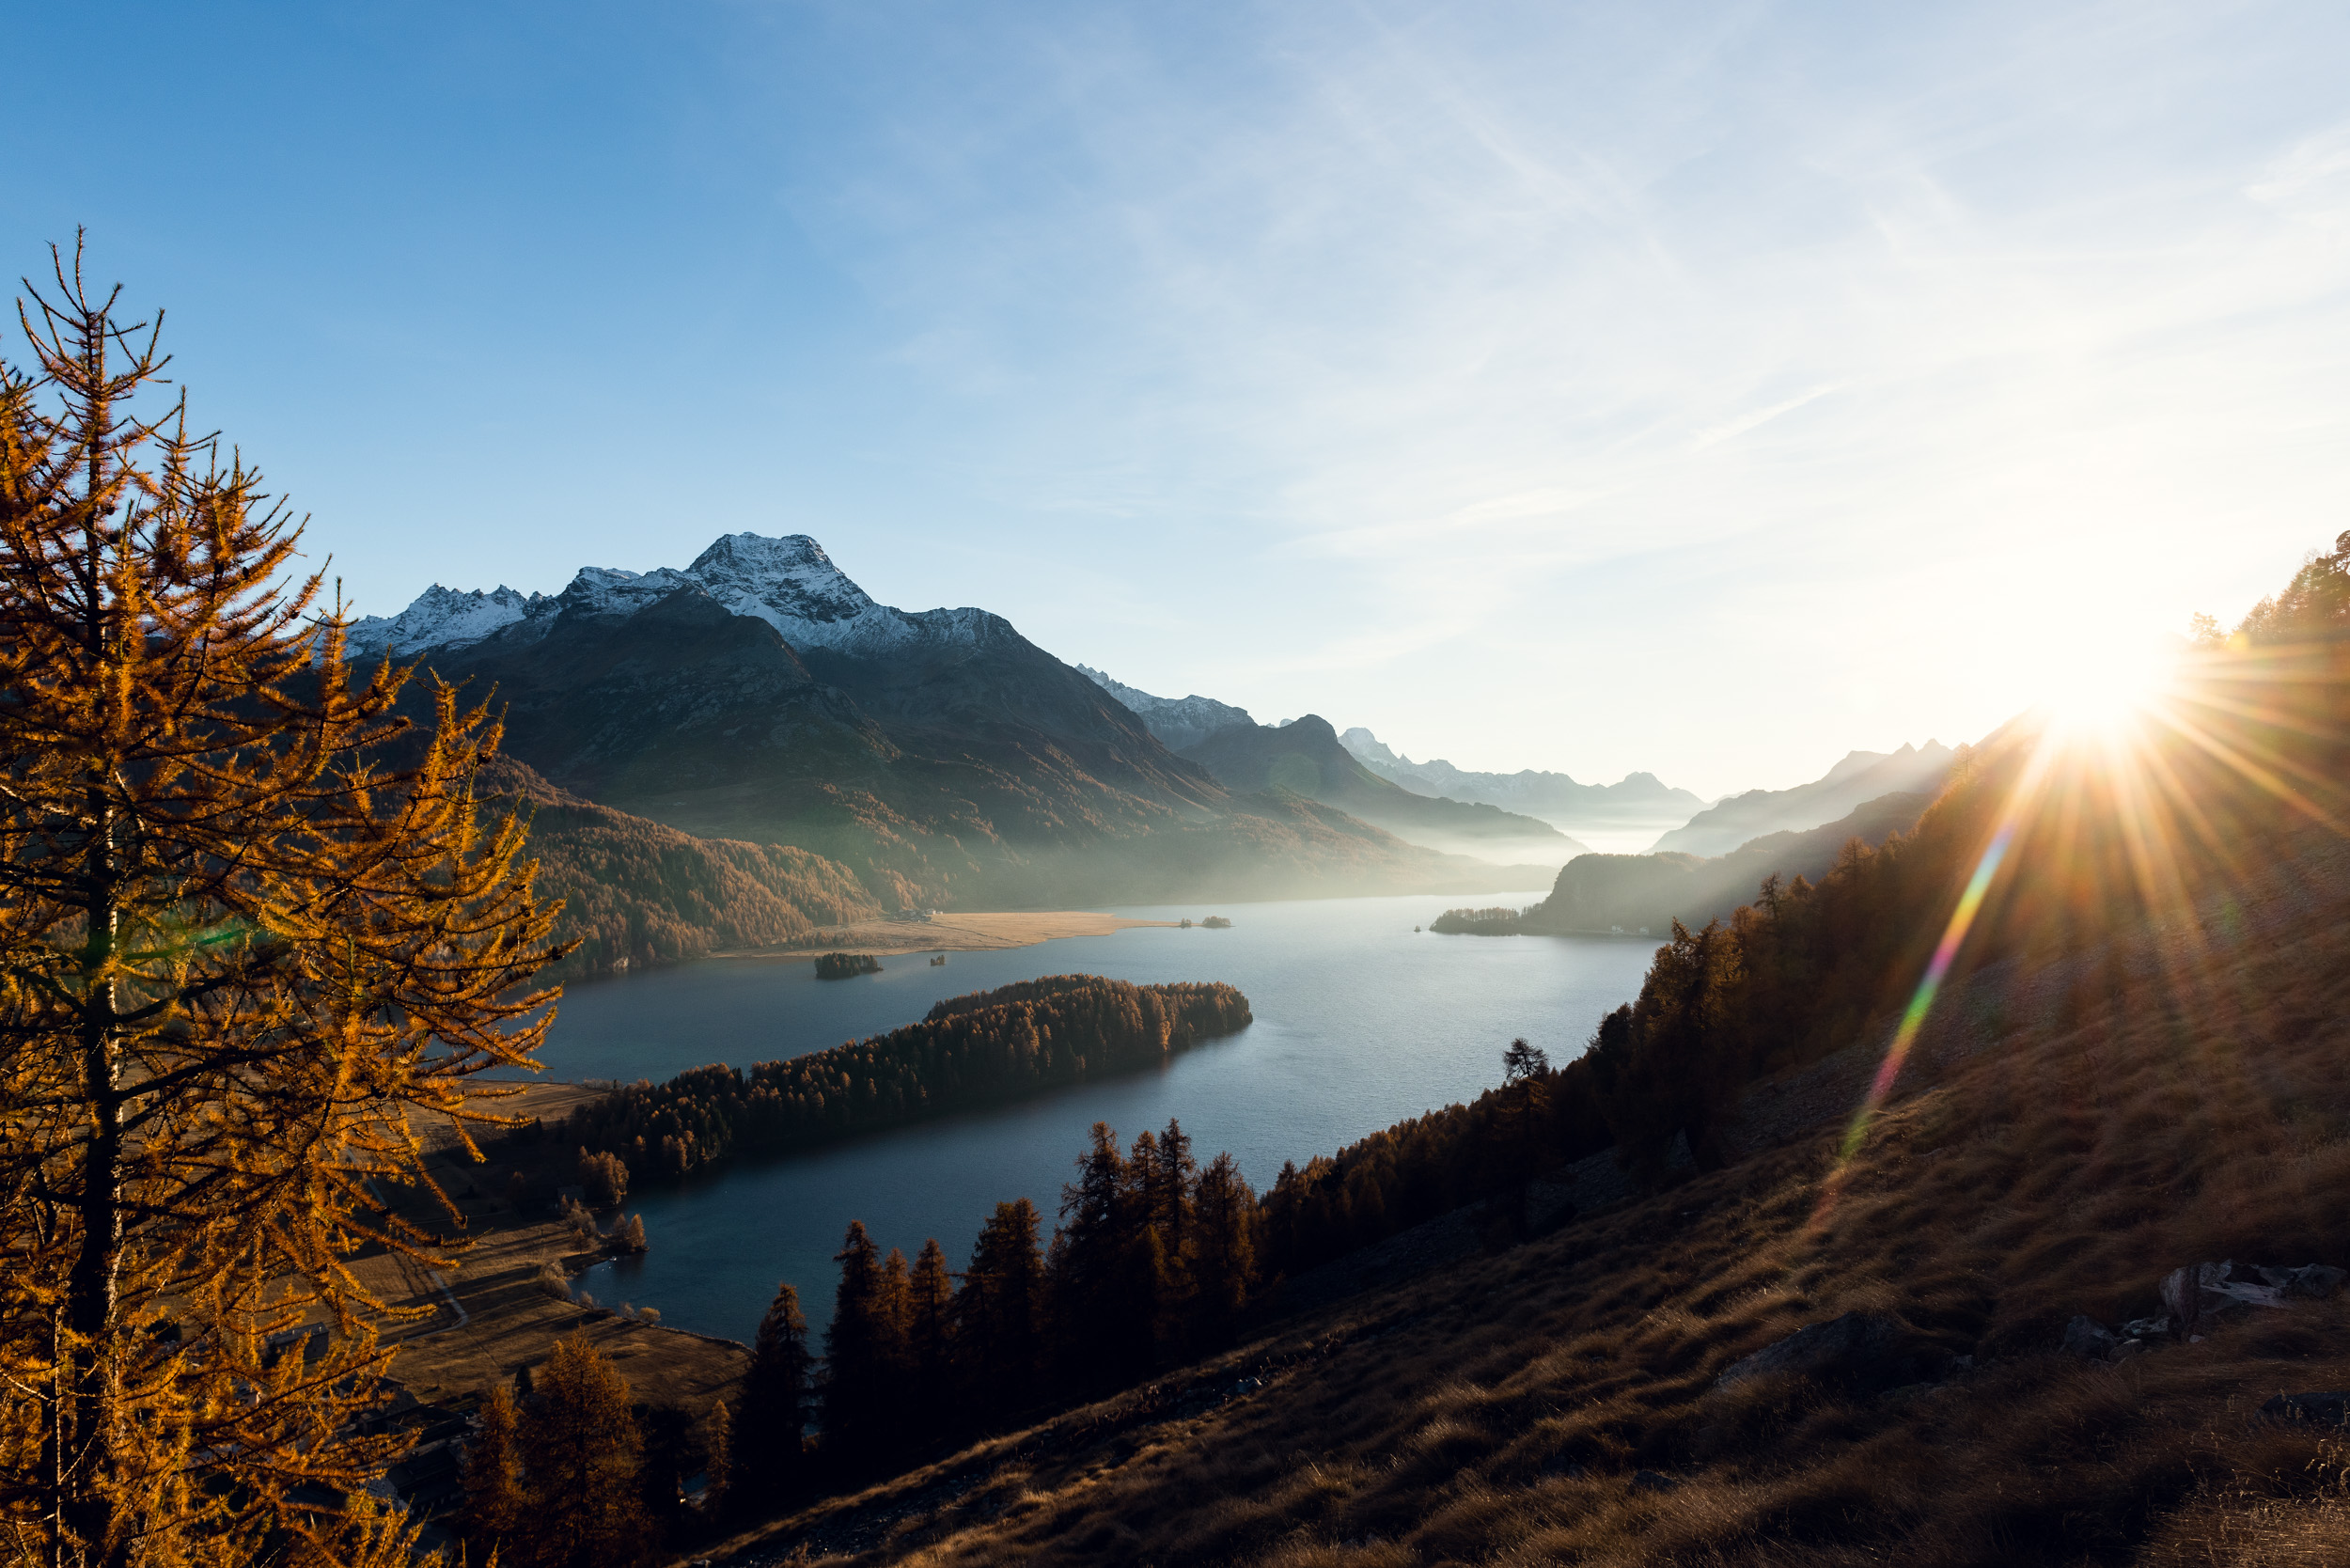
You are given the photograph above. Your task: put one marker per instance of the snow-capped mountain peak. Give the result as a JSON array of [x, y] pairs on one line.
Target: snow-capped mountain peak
[[443, 617], [1176, 721], [790, 583], [778, 580]]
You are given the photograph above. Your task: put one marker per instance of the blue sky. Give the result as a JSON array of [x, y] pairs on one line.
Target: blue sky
[[1702, 389]]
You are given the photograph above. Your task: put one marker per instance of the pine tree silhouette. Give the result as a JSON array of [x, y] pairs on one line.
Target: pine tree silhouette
[[999, 1333], [774, 1407], [929, 1341]]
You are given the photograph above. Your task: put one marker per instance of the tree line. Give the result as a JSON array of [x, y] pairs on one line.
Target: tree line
[[1154, 1260], [1806, 967], [967, 1052]]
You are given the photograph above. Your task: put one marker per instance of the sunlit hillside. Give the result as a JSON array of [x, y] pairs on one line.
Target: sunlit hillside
[[1984, 1089]]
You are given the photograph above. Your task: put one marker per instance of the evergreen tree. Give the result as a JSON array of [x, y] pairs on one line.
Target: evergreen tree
[[717, 1445], [582, 1454], [1525, 1069], [493, 1479], [863, 1350], [1000, 1335], [1173, 1176], [1106, 1264], [775, 1406], [241, 955], [1224, 1252], [1176, 1174], [930, 1345]]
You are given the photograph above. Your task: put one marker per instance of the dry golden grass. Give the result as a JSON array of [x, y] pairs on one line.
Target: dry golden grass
[[2087, 1127]]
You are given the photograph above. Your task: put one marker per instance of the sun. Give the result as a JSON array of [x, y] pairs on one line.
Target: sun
[[2103, 688]]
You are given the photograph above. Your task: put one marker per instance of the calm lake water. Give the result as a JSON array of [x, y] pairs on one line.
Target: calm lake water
[[1360, 1022]]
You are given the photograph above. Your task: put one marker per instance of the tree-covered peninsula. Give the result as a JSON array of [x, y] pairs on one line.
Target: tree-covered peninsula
[[967, 1053]]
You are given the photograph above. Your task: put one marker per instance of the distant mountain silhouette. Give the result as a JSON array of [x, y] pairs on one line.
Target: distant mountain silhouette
[[1861, 776], [1640, 798], [1598, 892], [1305, 758]]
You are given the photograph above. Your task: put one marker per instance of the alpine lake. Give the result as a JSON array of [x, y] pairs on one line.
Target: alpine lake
[[1360, 1022]]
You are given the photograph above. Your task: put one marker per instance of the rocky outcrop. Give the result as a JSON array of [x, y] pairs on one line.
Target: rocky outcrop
[[1864, 1352]]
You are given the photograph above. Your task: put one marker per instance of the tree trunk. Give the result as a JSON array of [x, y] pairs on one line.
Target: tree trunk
[[91, 1491]]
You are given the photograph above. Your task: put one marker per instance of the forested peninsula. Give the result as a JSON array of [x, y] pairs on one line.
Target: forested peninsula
[[967, 1053]]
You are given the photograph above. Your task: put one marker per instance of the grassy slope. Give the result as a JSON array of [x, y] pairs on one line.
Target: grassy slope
[[636, 892], [2068, 1135]]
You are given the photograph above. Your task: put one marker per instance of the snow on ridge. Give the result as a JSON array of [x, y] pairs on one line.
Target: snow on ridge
[[1176, 721], [790, 583], [443, 618]]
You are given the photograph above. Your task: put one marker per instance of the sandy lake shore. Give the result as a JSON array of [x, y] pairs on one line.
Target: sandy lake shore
[[955, 932]]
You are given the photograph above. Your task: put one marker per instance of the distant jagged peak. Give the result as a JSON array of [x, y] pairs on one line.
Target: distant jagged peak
[[780, 579], [1857, 763], [611, 590], [1371, 750], [1176, 721], [443, 617], [790, 583]]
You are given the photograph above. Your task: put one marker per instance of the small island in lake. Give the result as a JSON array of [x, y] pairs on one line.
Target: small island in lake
[[1476, 922], [988, 1048], [842, 965], [1216, 922]]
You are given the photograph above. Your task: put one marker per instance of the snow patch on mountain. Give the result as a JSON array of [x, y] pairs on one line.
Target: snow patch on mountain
[[1176, 721], [443, 618], [790, 583]]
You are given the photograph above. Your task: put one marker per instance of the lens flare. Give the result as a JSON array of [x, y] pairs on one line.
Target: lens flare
[[2107, 687]]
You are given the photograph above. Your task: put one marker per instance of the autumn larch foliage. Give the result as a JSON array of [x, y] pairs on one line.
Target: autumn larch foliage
[[239, 961], [968, 1052]]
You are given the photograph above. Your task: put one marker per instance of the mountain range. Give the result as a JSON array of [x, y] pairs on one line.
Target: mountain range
[[1643, 894], [1305, 757], [1639, 799], [759, 695], [1860, 777]]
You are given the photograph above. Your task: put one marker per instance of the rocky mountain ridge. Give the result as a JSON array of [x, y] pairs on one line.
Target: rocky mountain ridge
[[1555, 798], [760, 696], [1861, 776], [790, 583], [1178, 722]]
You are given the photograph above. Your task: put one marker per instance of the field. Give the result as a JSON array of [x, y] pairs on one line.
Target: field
[[486, 1319]]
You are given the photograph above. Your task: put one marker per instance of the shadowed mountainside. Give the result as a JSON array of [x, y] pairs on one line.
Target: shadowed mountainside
[[1306, 758], [1860, 777], [1597, 892], [942, 758]]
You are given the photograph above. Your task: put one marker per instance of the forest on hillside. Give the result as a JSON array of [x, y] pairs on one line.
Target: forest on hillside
[[968, 1052]]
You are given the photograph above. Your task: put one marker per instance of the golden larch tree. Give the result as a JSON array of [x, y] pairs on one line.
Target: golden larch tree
[[244, 961]]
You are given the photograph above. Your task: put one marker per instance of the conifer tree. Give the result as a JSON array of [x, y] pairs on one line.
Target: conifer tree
[[718, 1462], [493, 1475], [999, 1330], [775, 1404], [862, 1349], [240, 958], [582, 1454], [1171, 1187], [930, 1345], [1224, 1252], [1104, 1268]]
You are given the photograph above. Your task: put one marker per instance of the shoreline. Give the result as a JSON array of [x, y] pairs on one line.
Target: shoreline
[[983, 931]]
